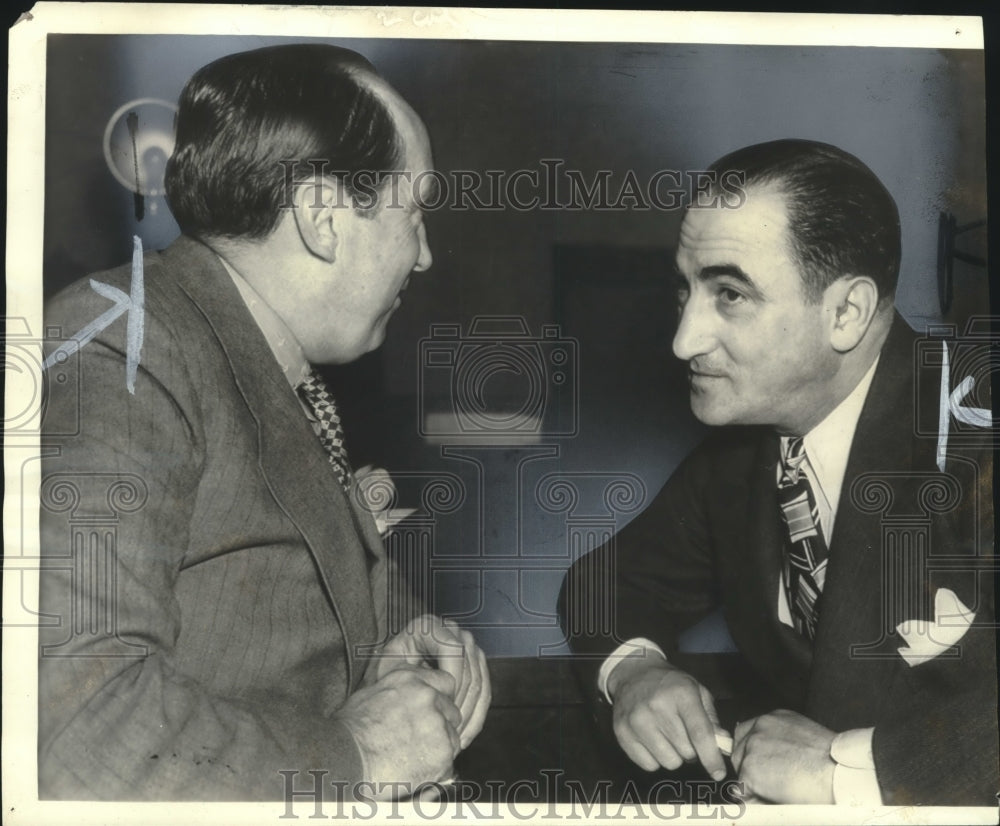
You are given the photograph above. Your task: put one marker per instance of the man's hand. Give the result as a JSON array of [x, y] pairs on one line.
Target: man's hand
[[663, 716], [784, 757], [405, 726], [430, 641]]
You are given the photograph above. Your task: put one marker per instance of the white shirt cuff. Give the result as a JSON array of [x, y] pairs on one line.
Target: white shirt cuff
[[635, 647], [854, 779]]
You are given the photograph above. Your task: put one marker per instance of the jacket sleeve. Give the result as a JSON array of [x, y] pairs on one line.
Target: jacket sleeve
[[117, 719], [653, 579]]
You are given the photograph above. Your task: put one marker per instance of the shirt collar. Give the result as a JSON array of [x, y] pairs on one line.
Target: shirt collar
[[279, 338], [828, 445]]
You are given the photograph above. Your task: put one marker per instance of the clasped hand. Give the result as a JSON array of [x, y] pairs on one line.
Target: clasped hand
[[422, 701], [663, 717], [784, 757]]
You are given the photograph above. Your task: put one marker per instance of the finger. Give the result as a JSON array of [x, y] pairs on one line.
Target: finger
[[455, 667], [740, 736], [459, 646], [468, 694], [448, 710], [444, 646], [456, 742], [664, 751], [743, 729], [474, 722], [664, 745], [400, 649], [674, 731], [638, 753], [701, 723], [678, 720], [392, 657], [465, 694], [389, 664], [452, 718], [701, 733], [708, 703], [438, 680]]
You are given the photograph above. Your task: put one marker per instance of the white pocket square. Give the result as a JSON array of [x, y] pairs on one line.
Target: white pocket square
[[926, 640]]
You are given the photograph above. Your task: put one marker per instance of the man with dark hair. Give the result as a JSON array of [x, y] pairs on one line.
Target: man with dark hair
[[234, 623], [875, 656], [255, 123]]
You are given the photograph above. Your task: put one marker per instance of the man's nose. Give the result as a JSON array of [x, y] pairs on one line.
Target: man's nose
[[424, 257], [694, 336]]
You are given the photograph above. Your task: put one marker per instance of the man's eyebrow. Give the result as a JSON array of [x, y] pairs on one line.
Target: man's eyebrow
[[726, 271]]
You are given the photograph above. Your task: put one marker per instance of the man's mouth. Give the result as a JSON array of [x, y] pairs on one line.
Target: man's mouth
[[697, 372]]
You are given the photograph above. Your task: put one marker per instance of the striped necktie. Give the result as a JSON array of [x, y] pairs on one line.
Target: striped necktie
[[317, 395], [805, 548]]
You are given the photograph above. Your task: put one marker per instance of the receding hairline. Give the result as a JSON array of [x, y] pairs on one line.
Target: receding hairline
[[409, 125], [773, 191]]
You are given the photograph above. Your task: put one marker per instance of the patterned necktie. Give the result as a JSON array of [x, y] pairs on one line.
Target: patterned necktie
[[317, 395], [805, 548]]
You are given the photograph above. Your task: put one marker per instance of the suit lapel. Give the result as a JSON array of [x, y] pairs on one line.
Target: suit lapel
[[291, 458], [853, 645], [368, 531]]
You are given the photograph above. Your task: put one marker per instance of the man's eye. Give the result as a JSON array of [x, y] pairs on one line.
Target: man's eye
[[730, 296]]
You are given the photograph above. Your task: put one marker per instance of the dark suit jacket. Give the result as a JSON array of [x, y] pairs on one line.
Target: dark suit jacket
[[713, 537], [208, 586]]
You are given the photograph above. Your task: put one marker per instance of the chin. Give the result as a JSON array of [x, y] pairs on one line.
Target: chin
[[712, 414], [713, 420]]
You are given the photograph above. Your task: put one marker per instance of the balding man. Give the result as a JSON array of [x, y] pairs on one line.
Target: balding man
[[242, 598]]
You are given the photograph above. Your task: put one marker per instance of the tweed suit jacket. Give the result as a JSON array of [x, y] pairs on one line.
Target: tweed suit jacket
[[903, 531], [209, 590]]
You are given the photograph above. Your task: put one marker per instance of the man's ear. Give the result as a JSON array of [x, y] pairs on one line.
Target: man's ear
[[852, 302], [317, 206]]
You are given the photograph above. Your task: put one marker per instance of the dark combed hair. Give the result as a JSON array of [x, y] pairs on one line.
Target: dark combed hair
[[842, 219], [249, 124]]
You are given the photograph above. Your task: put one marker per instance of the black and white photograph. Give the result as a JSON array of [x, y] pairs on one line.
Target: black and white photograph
[[497, 415]]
